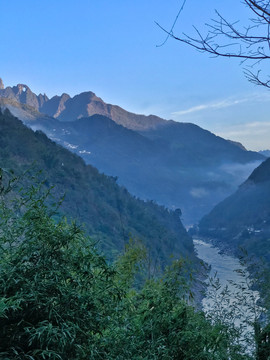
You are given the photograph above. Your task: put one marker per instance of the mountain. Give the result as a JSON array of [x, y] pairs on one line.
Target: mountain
[[23, 94], [265, 153], [194, 146], [179, 165], [22, 111], [109, 213], [244, 217], [65, 108], [237, 144]]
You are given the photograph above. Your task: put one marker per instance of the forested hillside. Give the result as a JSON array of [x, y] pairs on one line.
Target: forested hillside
[[109, 213], [59, 299]]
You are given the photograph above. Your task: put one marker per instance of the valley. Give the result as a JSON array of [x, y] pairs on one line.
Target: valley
[[132, 181], [135, 180], [178, 165]]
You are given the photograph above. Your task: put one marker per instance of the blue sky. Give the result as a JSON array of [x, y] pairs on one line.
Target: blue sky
[[109, 47]]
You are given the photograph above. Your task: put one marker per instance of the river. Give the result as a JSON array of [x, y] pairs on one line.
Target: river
[[237, 304], [224, 266]]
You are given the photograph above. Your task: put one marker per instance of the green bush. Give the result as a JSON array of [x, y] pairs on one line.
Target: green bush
[[59, 299], [56, 292]]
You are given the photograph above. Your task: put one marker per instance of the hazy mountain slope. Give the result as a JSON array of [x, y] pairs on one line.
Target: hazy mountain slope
[[244, 217], [111, 215], [22, 111], [180, 165], [111, 147], [196, 147], [265, 153]]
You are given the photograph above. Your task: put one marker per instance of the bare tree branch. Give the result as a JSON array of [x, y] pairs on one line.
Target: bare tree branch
[[228, 39], [173, 25]]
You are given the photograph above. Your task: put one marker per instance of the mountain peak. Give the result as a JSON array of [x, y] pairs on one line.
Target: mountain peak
[[1, 84], [85, 104], [22, 88], [261, 173]]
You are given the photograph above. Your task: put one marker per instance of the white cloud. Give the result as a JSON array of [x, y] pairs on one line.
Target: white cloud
[[225, 103], [214, 105], [241, 171], [254, 128]]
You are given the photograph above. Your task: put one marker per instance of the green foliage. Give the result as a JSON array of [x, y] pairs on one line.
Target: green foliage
[[56, 291], [59, 299]]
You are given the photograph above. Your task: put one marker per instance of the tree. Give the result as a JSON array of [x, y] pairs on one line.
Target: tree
[[250, 44], [56, 292], [60, 299]]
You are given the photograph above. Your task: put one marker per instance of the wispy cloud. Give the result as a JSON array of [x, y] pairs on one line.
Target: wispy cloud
[[237, 124], [213, 105], [225, 103], [254, 128]]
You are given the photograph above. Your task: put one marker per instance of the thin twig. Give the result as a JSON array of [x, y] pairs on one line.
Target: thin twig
[[175, 21]]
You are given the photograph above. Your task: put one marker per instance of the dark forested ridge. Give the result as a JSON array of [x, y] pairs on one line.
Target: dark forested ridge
[[179, 165], [110, 214], [244, 217]]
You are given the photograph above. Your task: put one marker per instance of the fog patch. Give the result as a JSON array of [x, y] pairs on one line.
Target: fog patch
[[18, 113], [39, 128], [198, 193], [240, 171], [45, 131]]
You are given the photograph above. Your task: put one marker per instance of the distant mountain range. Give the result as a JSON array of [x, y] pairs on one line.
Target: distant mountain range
[[109, 213], [243, 219], [65, 108], [178, 165]]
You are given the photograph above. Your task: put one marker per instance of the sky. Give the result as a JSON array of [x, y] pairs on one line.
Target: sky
[[112, 48]]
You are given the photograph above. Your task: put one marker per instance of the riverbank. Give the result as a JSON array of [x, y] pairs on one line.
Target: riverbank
[[223, 247]]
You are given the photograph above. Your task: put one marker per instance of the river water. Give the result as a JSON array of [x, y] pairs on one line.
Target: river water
[[237, 304], [224, 266]]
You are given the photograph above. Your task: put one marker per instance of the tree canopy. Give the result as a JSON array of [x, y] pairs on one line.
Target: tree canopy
[[60, 299]]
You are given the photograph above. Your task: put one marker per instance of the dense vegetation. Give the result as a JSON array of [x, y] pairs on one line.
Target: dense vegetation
[[59, 299], [243, 219], [109, 213]]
